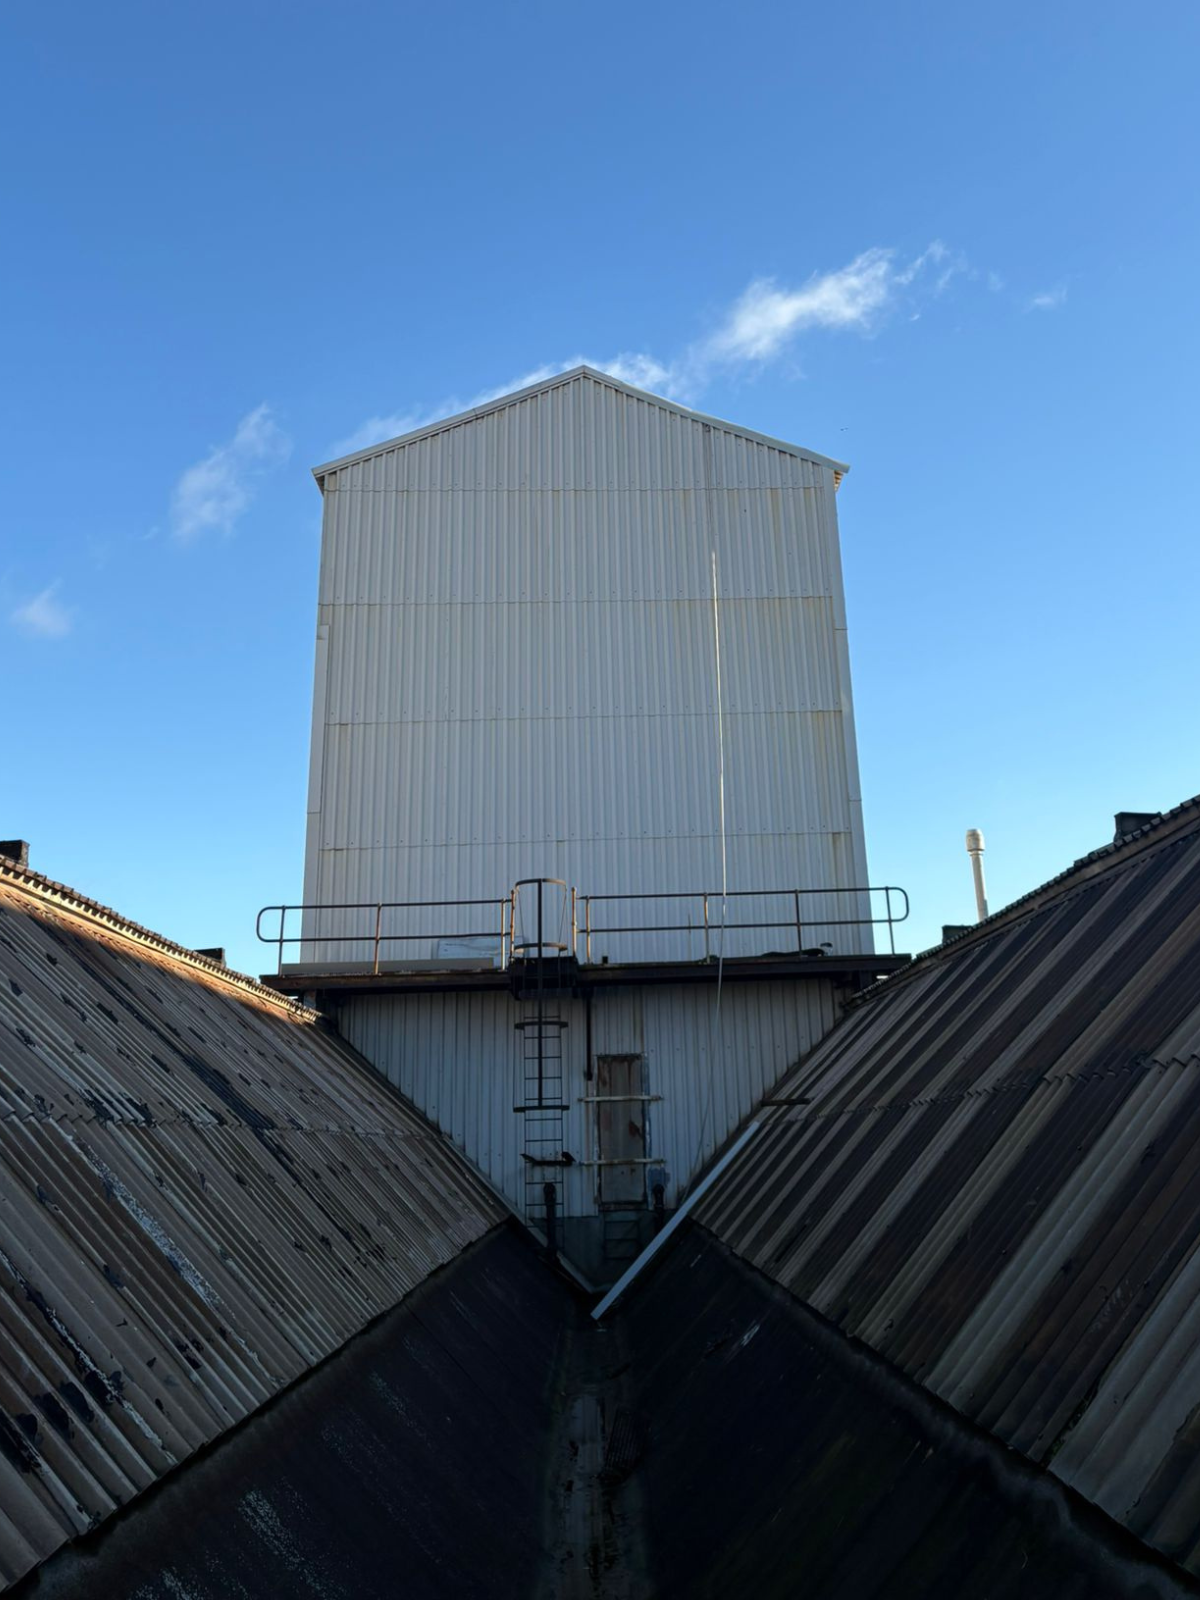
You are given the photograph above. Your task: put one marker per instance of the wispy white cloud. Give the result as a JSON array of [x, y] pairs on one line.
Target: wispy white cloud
[[549, 369], [210, 496], [1048, 299], [642, 371], [768, 317], [44, 616], [763, 325], [375, 429]]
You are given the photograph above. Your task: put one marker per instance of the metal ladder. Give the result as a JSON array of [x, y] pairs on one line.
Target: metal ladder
[[541, 1087], [542, 1104]]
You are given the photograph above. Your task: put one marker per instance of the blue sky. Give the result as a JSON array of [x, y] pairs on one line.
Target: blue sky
[[957, 247]]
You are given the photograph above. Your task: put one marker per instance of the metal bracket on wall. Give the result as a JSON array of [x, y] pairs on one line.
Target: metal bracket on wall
[[607, 1099], [627, 1161]]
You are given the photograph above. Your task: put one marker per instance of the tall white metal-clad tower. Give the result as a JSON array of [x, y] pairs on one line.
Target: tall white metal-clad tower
[[516, 667], [584, 634]]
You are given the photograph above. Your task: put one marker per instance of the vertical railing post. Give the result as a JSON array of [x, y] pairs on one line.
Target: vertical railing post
[[574, 926], [799, 932], [587, 929], [378, 927], [707, 955]]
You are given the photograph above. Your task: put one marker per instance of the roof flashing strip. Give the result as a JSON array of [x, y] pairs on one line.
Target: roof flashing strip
[[660, 1239]]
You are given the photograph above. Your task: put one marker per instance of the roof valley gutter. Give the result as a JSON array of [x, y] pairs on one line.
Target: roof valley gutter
[[660, 1239]]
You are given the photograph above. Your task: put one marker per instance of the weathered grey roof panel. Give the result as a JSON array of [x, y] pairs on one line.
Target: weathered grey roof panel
[[991, 1174], [411, 1464], [203, 1194]]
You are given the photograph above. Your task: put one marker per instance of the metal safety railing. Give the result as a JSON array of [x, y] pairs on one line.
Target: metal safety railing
[[579, 924], [540, 943], [706, 925], [373, 932]]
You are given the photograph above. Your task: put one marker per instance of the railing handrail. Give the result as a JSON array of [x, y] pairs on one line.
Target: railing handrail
[[749, 894], [388, 905], [889, 919], [378, 937], [507, 906]]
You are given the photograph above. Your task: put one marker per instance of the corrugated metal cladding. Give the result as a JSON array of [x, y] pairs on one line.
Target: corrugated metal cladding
[[515, 665], [457, 1057], [204, 1193], [992, 1175]]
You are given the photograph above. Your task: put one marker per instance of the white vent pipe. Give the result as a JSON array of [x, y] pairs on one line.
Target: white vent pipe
[[975, 851]]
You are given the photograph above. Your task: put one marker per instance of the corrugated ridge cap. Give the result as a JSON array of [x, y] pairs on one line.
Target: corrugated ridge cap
[[47, 891], [559, 379], [1168, 827]]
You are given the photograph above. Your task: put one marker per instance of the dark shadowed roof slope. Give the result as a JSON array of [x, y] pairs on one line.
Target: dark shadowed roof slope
[[203, 1192], [990, 1172], [783, 1460]]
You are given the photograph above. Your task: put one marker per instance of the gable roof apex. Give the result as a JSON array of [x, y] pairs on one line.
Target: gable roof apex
[[560, 380]]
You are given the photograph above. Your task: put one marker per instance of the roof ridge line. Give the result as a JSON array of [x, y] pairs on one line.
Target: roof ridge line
[[1167, 828], [61, 897], [557, 380]]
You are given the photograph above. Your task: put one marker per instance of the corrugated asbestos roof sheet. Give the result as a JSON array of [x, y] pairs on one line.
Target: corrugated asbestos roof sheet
[[990, 1173], [412, 1466], [781, 1460], [203, 1192]]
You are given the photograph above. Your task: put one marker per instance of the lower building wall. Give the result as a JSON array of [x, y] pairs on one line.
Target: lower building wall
[[706, 1063]]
